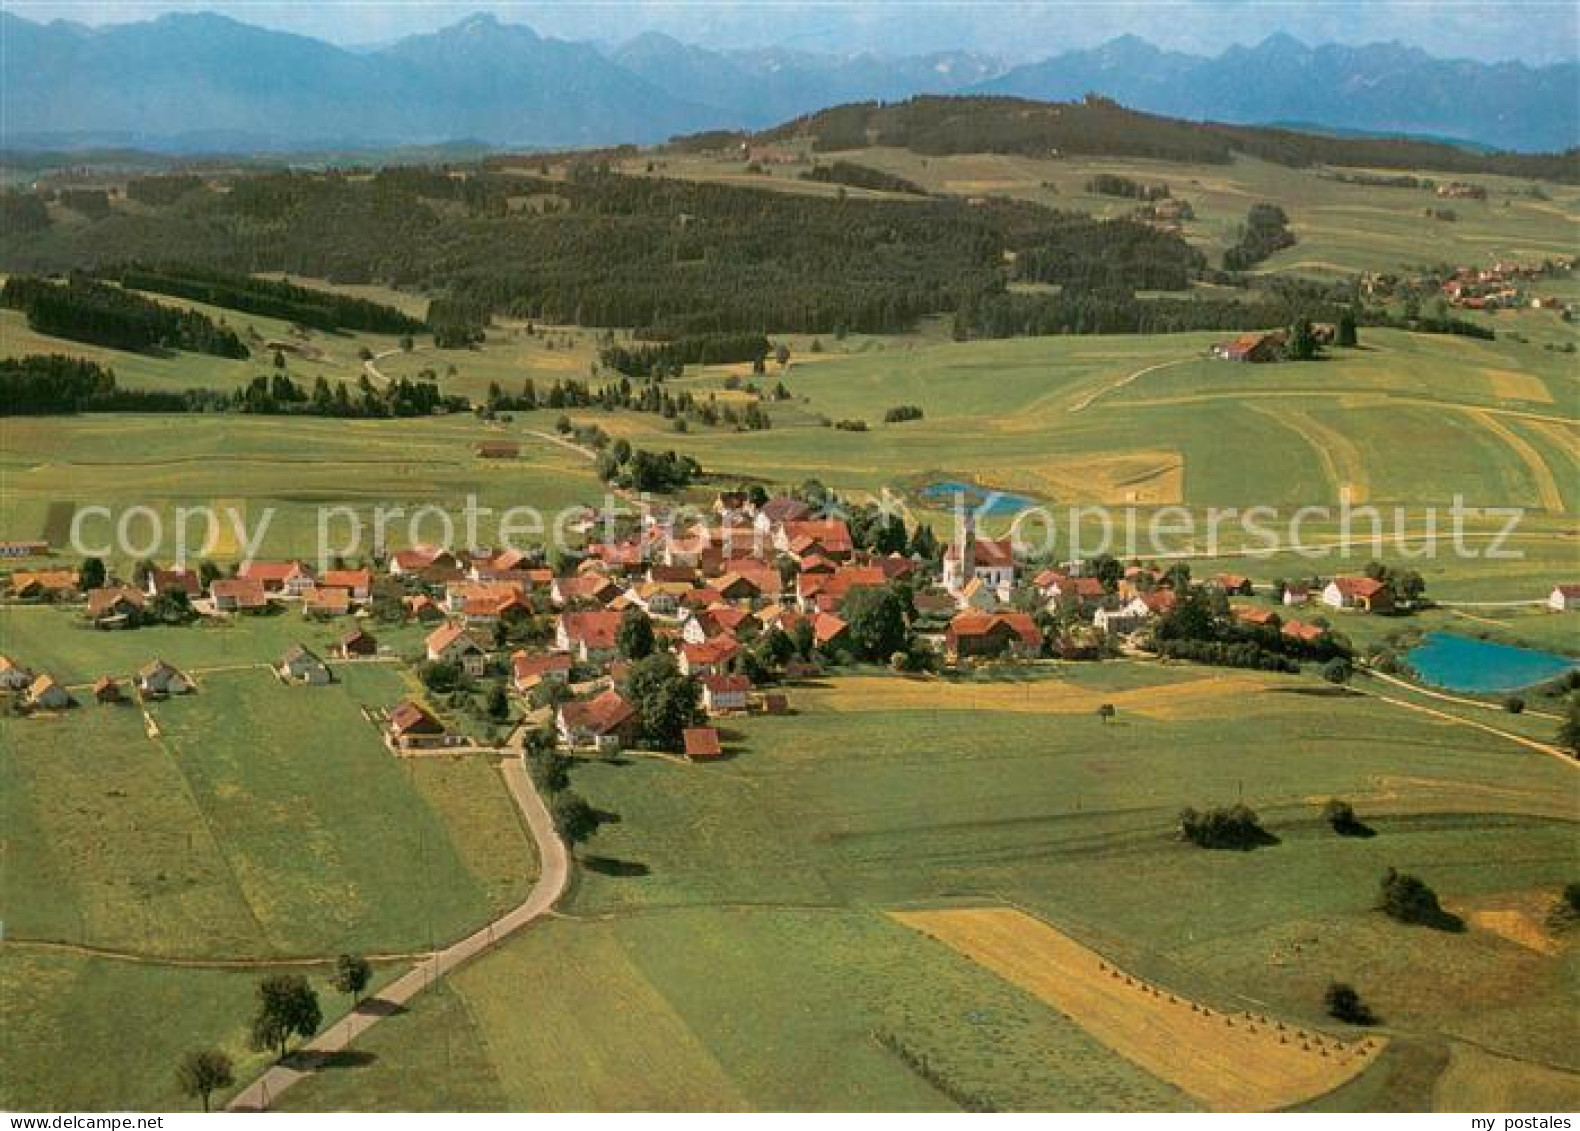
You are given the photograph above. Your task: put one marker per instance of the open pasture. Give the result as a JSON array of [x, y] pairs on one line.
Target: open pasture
[[260, 821]]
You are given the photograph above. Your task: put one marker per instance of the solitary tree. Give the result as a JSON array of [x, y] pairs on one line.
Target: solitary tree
[[1106, 712], [91, 574], [203, 1072], [1345, 1004], [635, 638], [287, 1007], [352, 975], [1569, 731], [573, 816], [1409, 899]]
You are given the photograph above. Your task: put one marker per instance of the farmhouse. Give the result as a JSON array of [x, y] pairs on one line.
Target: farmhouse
[[114, 606], [528, 671], [725, 694], [44, 583], [1258, 347], [981, 635], [716, 656], [590, 637], [45, 694], [162, 581], [1297, 593], [238, 595], [702, 744], [356, 643], [1363, 593], [421, 559], [1125, 619], [13, 676], [157, 679], [291, 579], [358, 582], [410, 726], [1303, 632], [301, 666], [606, 722], [325, 602], [1564, 598], [452, 644]]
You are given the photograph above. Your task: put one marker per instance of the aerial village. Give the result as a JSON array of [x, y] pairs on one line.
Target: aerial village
[[764, 593]]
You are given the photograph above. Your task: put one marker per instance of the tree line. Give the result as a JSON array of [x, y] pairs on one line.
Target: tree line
[[270, 298], [84, 310]]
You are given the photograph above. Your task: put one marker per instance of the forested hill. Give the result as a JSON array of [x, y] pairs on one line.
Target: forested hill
[[938, 126]]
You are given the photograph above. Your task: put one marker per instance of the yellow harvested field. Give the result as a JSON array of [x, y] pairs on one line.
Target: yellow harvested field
[[1228, 1062], [1511, 386], [1142, 477], [1208, 697]]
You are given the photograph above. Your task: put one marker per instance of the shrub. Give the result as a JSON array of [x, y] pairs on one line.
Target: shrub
[[1343, 1003], [1514, 704], [1341, 815], [1337, 670], [1236, 826], [1409, 899], [901, 413]]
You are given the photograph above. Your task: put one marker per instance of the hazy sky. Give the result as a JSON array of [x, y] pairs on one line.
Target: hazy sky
[[1533, 30]]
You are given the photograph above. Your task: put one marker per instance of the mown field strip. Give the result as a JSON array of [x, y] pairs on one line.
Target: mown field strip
[[1228, 1062]]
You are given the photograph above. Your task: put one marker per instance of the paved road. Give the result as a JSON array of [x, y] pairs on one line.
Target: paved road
[[554, 872]]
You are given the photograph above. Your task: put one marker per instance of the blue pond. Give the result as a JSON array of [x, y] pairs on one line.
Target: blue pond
[[1463, 663], [948, 492]]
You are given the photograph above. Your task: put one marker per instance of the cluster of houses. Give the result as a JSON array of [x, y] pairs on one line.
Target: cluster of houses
[[1500, 286], [43, 692], [710, 589]]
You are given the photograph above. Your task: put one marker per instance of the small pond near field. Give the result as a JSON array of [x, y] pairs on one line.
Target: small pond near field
[[985, 501], [1463, 663]]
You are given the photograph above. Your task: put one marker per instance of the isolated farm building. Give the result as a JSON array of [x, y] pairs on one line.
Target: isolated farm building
[[590, 637], [238, 595], [44, 583], [528, 671], [13, 676], [606, 722], [702, 744], [725, 694], [301, 666], [1364, 593], [357, 642], [157, 679], [1564, 598], [358, 582], [174, 581], [411, 726], [45, 693], [452, 644], [1257, 347], [106, 690], [498, 449], [982, 635], [324, 601], [290, 579], [114, 605]]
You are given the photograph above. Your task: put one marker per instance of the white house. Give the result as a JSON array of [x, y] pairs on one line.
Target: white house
[[1126, 618], [1564, 598]]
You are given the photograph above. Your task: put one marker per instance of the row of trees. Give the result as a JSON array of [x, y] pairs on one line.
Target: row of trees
[[287, 301]]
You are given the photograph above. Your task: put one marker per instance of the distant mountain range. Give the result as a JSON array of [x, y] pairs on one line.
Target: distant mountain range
[[205, 83]]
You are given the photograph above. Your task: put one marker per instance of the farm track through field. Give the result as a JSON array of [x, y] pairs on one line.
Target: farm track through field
[[1340, 457], [1397, 682], [1446, 716], [1093, 397], [553, 876], [1552, 499], [143, 958]]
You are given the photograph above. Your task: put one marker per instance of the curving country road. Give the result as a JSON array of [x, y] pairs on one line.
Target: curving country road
[[554, 873]]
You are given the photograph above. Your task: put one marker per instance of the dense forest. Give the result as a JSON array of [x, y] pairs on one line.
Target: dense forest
[[321, 310], [85, 310], [673, 259], [1100, 127]]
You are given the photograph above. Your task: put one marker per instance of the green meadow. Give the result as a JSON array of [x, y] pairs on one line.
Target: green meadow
[[260, 821], [740, 905]]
